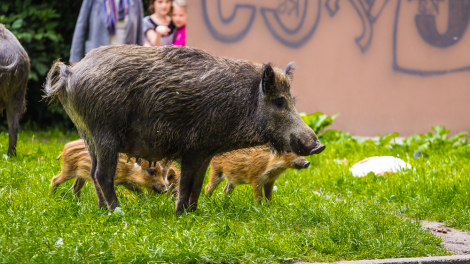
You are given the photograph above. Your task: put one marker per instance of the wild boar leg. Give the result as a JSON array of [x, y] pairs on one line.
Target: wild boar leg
[[257, 190], [193, 167], [229, 187], [13, 116], [268, 190], [104, 177], [216, 177], [99, 196], [197, 186], [58, 180], [77, 186]]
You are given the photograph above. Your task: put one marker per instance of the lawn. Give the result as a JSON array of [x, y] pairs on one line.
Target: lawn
[[322, 213]]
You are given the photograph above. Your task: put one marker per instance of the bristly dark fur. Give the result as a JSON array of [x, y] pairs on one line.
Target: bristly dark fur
[[175, 103], [14, 73], [170, 84], [290, 69]]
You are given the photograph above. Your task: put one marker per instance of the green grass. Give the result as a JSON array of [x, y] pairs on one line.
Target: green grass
[[437, 188], [319, 214]]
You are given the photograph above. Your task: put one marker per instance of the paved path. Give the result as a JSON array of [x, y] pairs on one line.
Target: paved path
[[455, 259], [455, 241]]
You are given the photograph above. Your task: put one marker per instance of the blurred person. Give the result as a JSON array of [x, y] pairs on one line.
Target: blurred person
[[159, 29], [106, 22], [179, 19]]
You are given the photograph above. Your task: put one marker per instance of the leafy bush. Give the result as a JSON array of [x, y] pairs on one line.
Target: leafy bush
[[35, 29], [386, 140], [338, 136], [433, 141], [45, 29], [319, 121]]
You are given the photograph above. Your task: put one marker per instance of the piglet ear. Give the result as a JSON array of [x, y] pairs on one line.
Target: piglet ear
[[289, 70], [267, 81], [171, 174]]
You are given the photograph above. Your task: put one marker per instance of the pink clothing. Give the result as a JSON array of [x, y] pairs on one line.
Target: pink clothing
[[180, 36]]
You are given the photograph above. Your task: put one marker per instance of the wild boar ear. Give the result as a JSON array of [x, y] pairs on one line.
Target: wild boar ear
[[171, 174], [267, 81], [289, 70]]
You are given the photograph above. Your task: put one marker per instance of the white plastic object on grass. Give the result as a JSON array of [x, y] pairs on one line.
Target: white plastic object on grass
[[379, 165]]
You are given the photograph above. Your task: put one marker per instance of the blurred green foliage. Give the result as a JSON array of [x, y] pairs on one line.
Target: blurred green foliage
[[45, 29], [318, 121], [425, 143], [422, 143]]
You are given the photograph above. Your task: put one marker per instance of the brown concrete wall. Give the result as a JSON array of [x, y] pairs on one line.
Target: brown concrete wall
[[385, 66]]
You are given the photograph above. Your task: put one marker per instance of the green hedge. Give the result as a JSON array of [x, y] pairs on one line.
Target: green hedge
[[45, 29]]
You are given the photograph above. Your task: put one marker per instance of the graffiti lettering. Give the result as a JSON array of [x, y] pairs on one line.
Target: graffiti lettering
[[458, 18], [283, 7], [293, 37], [227, 37], [368, 12], [332, 6], [300, 34], [429, 6], [425, 22], [294, 22]]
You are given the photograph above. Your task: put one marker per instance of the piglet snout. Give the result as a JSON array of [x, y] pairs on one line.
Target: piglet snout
[[306, 164]]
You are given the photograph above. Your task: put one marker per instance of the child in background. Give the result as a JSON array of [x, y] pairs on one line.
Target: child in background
[[158, 28], [179, 19]]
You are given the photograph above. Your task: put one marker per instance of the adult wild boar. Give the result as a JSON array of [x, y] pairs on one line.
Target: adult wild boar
[[177, 103], [14, 72]]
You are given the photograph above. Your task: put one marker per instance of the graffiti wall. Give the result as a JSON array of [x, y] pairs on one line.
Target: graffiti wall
[[384, 65]]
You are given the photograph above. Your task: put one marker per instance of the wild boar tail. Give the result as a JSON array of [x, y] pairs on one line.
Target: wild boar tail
[[11, 66], [58, 158], [56, 80]]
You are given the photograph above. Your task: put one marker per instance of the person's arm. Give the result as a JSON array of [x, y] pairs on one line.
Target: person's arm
[[80, 33], [155, 36], [140, 34]]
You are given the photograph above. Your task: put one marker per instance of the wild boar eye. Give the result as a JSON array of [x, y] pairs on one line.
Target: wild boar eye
[[280, 102]]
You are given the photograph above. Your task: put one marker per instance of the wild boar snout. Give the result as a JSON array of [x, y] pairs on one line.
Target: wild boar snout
[[318, 148], [306, 164], [306, 144], [159, 188], [300, 163]]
